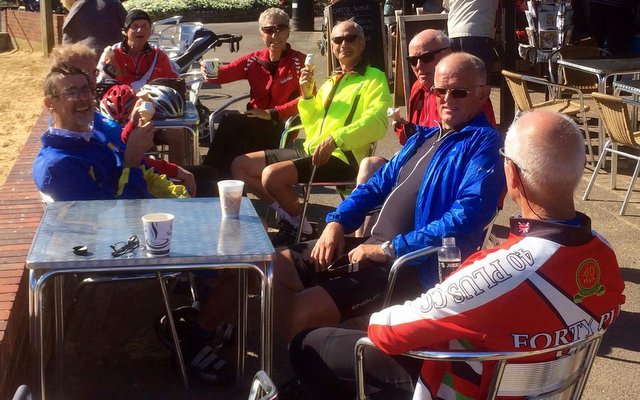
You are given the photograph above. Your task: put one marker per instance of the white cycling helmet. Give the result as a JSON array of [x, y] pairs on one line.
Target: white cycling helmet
[[168, 102]]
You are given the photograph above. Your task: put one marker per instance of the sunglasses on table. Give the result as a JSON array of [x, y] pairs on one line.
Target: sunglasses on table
[[348, 38], [455, 93], [122, 248], [424, 57], [271, 29]]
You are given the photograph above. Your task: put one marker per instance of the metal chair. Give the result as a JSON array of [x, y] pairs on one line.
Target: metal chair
[[518, 85], [514, 373], [174, 36], [216, 116], [262, 386], [615, 116], [343, 188]]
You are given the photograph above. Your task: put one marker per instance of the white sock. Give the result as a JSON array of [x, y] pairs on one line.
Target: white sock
[[293, 220]]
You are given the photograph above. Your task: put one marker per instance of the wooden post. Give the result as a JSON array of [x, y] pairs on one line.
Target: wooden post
[[46, 22]]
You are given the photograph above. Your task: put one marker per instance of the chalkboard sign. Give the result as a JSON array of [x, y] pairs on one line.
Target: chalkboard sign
[[408, 27], [368, 14]]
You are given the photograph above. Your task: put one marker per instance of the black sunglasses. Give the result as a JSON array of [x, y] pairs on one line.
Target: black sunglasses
[[456, 93], [349, 38], [121, 248], [427, 57], [270, 30]]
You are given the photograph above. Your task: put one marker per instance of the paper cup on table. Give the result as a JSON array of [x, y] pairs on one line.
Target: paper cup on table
[[419, 10], [230, 196], [211, 67], [157, 233]]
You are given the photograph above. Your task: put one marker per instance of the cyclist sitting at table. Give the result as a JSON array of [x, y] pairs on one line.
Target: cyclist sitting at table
[[273, 74], [135, 62], [77, 162]]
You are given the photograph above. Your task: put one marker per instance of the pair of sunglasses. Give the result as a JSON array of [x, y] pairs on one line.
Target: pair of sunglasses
[[424, 57], [122, 248], [348, 38], [456, 93], [270, 30]]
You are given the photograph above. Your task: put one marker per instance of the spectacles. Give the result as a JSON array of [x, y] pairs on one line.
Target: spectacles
[[122, 248], [425, 57], [74, 94], [506, 157], [349, 38], [270, 30], [456, 93]]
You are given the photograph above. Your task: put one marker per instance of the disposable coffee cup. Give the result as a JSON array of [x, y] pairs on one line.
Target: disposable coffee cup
[[211, 67], [230, 196], [419, 10], [157, 233]]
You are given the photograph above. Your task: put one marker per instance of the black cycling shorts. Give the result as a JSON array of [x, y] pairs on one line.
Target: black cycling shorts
[[356, 293], [332, 171]]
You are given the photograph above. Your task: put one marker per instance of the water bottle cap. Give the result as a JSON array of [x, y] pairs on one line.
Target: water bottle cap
[[449, 241]]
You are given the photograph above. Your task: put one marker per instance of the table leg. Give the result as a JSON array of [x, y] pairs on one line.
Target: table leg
[[602, 88], [35, 333], [58, 287], [242, 324], [267, 319], [193, 146], [174, 333]]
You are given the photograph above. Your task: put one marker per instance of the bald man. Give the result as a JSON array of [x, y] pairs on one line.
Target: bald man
[[553, 278], [446, 181]]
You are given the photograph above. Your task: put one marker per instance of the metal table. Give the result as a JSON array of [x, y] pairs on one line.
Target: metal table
[[201, 239], [603, 69], [190, 121]]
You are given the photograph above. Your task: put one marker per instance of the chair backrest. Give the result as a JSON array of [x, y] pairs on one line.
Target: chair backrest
[[262, 386], [615, 117], [518, 89], [515, 374], [575, 78]]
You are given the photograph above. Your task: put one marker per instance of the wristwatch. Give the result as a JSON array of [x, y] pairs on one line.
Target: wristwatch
[[387, 249]]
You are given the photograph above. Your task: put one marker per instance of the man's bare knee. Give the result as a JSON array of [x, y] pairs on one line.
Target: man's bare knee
[[312, 308]]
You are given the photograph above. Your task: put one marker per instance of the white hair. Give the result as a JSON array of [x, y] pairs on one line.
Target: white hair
[[273, 13], [466, 61], [550, 161]]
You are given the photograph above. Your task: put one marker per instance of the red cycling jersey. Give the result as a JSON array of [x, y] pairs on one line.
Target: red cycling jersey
[[279, 91], [547, 285]]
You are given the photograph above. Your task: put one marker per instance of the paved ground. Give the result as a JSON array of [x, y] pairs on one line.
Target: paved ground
[[113, 352]]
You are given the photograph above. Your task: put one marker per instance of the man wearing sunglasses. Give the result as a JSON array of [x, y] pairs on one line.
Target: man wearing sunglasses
[[341, 119], [553, 281], [446, 181]]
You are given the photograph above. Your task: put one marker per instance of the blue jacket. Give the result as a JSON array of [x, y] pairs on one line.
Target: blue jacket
[[459, 194], [74, 169]]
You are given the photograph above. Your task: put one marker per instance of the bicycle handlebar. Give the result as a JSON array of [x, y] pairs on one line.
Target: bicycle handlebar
[[232, 39]]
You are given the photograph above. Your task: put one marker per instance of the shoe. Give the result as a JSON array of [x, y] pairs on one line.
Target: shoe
[[184, 319], [207, 366], [286, 235]]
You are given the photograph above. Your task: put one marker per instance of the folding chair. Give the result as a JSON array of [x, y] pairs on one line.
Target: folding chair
[[520, 91], [615, 116], [515, 374], [343, 188], [262, 386]]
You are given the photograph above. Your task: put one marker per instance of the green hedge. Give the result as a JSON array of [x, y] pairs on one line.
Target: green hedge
[[158, 7]]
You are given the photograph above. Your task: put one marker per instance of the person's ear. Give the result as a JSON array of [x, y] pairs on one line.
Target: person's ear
[[48, 103], [511, 175]]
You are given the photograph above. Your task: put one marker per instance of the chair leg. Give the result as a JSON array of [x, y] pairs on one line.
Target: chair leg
[[587, 137], [630, 189], [614, 166], [305, 204], [603, 154]]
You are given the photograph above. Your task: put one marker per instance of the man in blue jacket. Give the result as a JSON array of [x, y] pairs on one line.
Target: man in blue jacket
[[446, 181]]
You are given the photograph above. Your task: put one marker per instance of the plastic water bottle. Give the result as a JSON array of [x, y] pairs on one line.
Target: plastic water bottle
[[448, 258]]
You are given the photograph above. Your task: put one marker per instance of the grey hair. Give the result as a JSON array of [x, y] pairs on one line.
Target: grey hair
[[273, 12], [557, 163]]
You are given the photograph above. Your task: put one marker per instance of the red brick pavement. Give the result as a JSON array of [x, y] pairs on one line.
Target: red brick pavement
[[20, 213]]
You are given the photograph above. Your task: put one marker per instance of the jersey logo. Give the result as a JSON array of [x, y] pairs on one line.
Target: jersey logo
[[523, 227], [588, 280]]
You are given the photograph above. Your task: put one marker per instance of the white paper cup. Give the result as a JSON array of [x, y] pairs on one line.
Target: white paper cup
[[419, 10], [211, 67], [157, 233], [230, 196]]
